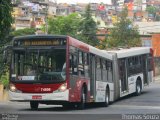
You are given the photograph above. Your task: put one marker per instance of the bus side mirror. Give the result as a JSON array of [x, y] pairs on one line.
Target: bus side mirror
[[6, 54]]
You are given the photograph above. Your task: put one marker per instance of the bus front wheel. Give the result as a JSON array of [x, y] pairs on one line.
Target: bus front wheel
[[68, 105], [34, 105], [81, 104]]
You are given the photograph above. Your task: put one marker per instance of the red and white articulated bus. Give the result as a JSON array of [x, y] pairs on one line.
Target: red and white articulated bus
[[49, 69]]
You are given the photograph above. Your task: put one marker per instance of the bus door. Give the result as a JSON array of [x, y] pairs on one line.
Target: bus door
[[145, 69], [123, 74], [150, 65], [92, 76]]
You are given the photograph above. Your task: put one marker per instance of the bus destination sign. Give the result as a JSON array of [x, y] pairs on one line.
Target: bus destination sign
[[40, 42]]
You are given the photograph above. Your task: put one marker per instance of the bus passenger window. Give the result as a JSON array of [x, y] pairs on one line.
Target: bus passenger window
[[86, 65], [109, 68], [81, 63], [98, 69], [80, 57], [73, 64], [104, 70]]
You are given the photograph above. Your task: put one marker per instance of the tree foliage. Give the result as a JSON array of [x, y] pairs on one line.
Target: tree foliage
[[88, 28], [64, 25], [124, 33], [25, 31], [81, 27], [5, 26], [151, 10], [5, 79], [5, 20]]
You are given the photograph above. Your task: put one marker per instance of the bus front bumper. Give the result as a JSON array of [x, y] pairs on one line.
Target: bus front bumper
[[55, 96]]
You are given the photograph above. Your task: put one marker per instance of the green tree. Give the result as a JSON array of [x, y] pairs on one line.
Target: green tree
[[5, 79], [152, 10], [88, 28], [5, 20], [25, 31], [124, 33], [5, 27], [64, 25]]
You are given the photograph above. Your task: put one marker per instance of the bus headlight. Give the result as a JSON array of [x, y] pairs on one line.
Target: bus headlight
[[12, 88], [63, 87]]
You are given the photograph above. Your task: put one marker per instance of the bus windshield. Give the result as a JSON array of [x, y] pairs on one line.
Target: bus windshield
[[39, 66]]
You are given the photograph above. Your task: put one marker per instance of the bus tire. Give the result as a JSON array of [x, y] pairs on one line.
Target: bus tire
[[107, 96], [138, 87], [34, 105], [68, 105], [81, 104], [65, 106]]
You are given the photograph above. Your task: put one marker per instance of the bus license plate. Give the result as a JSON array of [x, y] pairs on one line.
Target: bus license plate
[[36, 97]]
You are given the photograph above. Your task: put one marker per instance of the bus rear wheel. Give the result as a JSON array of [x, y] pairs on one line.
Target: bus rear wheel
[[34, 105], [138, 87], [106, 103]]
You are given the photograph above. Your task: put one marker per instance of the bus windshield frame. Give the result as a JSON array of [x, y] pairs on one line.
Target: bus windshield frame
[[37, 64]]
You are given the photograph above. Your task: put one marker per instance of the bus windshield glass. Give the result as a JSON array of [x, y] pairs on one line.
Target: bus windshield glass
[[39, 66]]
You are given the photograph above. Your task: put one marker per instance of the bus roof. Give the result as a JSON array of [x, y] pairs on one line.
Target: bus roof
[[100, 53], [38, 36], [122, 53], [76, 43], [73, 42]]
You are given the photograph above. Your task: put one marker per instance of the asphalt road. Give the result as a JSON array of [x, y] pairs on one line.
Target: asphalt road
[[146, 106]]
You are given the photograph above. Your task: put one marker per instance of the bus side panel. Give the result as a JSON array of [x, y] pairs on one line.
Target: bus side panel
[[75, 80], [101, 91], [132, 82], [74, 90], [76, 84], [111, 86]]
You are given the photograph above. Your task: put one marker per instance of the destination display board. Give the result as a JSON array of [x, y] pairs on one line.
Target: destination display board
[[40, 42]]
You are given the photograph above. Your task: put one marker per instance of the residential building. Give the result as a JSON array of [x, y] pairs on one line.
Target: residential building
[[32, 13]]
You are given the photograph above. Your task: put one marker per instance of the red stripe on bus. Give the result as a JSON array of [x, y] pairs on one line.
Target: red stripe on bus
[[37, 88]]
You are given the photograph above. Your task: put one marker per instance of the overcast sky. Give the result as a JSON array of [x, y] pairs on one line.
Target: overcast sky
[[83, 1]]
